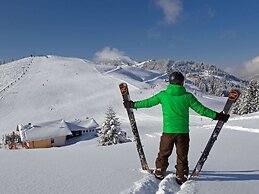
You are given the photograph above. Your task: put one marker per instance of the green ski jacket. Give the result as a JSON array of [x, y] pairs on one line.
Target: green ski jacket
[[175, 101]]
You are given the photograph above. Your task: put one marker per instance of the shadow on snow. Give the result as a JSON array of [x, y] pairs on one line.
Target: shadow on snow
[[83, 137], [245, 175]]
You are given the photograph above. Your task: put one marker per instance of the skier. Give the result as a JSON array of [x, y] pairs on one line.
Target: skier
[[175, 102]]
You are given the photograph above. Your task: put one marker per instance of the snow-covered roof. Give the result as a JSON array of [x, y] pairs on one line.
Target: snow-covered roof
[[79, 125], [44, 130]]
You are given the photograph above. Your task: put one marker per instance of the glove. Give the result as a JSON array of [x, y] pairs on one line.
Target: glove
[[128, 104], [222, 116]]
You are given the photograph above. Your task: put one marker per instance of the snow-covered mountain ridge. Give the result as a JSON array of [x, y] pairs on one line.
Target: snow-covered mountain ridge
[[207, 77]]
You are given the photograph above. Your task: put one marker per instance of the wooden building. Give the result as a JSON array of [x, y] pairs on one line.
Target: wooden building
[[44, 135]]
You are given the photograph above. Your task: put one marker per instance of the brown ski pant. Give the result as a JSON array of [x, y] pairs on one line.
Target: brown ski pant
[[167, 142]]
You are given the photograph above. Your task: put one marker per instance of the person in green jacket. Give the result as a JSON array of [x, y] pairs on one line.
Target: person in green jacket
[[175, 102]]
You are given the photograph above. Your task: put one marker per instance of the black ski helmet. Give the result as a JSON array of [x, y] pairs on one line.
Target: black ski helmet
[[176, 78]]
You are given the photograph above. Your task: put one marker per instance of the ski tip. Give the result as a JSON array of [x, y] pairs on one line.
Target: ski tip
[[234, 94], [123, 88], [123, 84]]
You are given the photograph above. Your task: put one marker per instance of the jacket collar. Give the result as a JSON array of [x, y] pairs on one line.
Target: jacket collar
[[175, 90]]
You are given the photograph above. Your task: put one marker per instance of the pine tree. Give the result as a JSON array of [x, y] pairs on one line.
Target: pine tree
[[257, 96], [111, 132], [248, 101], [236, 106]]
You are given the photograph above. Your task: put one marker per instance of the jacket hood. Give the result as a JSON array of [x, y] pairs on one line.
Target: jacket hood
[[175, 90]]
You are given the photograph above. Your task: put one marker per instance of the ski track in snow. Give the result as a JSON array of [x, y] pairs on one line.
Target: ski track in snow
[[149, 135], [239, 128], [129, 73], [234, 128], [153, 135], [150, 185], [11, 82], [155, 78], [244, 118], [18, 75], [113, 70], [158, 134], [210, 98]]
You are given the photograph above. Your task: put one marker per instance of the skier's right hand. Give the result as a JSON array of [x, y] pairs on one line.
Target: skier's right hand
[[128, 104], [222, 116]]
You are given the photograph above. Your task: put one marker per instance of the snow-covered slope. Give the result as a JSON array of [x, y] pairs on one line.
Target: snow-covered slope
[[54, 88], [70, 88]]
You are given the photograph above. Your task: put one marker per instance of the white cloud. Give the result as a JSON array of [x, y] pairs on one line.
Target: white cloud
[[111, 54], [252, 66], [171, 8], [247, 70]]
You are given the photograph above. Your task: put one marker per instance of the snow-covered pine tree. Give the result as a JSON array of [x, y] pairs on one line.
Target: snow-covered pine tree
[[236, 106], [257, 96], [111, 132], [248, 101]]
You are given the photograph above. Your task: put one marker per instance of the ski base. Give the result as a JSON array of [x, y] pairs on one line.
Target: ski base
[[233, 96], [126, 97]]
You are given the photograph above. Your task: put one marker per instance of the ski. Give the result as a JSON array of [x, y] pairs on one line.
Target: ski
[[233, 96], [126, 97]]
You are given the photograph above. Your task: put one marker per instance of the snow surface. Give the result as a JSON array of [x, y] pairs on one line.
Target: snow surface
[[55, 88]]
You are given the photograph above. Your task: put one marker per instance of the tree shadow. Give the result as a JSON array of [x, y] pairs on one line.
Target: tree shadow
[[245, 175]]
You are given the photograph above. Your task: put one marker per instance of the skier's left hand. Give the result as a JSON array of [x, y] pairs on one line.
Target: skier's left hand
[[128, 104], [222, 116]]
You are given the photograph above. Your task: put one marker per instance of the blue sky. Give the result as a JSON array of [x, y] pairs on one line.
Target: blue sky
[[221, 32]]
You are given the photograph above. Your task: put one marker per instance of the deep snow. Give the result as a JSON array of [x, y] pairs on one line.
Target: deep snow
[[70, 88]]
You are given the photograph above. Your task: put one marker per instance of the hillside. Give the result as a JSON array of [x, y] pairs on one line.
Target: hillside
[[63, 86], [70, 88], [208, 78]]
